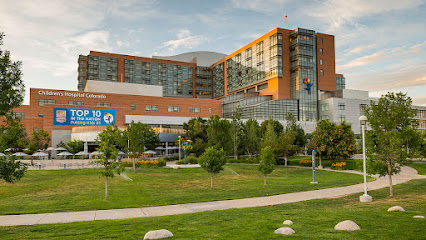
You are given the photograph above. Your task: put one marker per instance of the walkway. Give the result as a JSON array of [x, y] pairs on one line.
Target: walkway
[[405, 175]]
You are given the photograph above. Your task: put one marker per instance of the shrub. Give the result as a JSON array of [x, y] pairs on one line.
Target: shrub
[[243, 159], [190, 160], [161, 162], [338, 166], [306, 163]]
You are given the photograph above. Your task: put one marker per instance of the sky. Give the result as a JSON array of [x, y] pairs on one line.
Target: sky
[[380, 45]]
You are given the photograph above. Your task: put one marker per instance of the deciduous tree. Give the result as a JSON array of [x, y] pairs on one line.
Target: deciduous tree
[[11, 170], [251, 137], [267, 162], [218, 134], [11, 86], [140, 136], [392, 126], [107, 140], [212, 160]]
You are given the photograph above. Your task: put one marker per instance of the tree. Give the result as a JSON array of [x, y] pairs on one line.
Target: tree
[[392, 124], [140, 136], [11, 170], [212, 160], [196, 131], [267, 162], [300, 139], [12, 88], [286, 144], [270, 138], [39, 140], [251, 136], [107, 139], [278, 127], [218, 134], [74, 146], [235, 131], [333, 141], [12, 133]]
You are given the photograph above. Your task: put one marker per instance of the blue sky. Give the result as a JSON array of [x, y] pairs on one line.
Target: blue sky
[[380, 44]]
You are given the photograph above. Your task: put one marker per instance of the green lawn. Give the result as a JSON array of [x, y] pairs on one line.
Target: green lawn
[[313, 219], [420, 167], [77, 190]]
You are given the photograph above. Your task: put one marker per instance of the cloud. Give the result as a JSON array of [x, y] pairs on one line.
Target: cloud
[[336, 13], [263, 6], [384, 55], [185, 39]]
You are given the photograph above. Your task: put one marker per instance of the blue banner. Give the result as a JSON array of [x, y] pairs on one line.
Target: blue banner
[[83, 117]]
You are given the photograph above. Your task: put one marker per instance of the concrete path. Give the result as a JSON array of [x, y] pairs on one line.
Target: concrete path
[[405, 175]]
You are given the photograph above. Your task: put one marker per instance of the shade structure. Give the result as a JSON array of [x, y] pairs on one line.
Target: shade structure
[[26, 149], [65, 154], [82, 153], [9, 150], [172, 148], [50, 148], [121, 153], [2, 155], [60, 149], [149, 152], [96, 153], [40, 154], [160, 148], [20, 154]]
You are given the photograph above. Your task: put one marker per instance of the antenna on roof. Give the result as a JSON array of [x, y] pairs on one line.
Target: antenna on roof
[[285, 17]]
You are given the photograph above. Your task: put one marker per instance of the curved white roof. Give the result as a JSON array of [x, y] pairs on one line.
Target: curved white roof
[[202, 58]]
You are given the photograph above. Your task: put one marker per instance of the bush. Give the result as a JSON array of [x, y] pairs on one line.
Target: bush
[[190, 160], [243, 159], [306, 163], [172, 158], [161, 162], [126, 163]]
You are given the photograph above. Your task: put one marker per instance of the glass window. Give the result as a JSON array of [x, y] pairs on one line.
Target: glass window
[[174, 109], [321, 61], [262, 86], [133, 106], [362, 108], [322, 72], [321, 40], [194, 109], [76, 103], [103, 104], [151, 107], [325, 117], [40, 115], [210, 110], [324, 107], [36, 129], [341, 106], [42, 102], [18, 115], [341, 118], [321, 51]]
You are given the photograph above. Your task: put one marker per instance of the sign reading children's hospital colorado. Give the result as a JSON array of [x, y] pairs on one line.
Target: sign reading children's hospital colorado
[[83, 117]]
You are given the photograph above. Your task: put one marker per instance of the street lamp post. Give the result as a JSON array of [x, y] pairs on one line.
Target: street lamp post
[[179, 146], [365, 197]]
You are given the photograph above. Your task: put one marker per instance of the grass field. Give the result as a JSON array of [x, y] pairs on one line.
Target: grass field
[[82, 189], [313, 219], [420, 167]]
